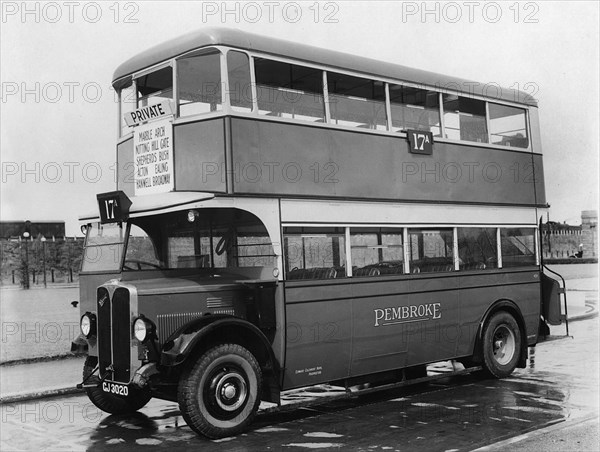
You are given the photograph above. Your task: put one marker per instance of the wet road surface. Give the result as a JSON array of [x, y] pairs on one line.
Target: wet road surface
[[455, 413]]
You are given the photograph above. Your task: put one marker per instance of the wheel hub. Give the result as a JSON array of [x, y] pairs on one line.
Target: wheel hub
[[230, 390], [504, 346]]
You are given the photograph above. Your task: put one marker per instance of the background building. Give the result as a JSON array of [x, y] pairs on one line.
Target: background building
[[589, 229]]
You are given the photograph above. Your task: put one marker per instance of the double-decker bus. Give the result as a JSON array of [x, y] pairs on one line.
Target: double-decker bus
[[286, 216]]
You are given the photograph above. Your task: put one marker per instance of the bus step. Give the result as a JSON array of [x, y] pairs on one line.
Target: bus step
[[306, 398]]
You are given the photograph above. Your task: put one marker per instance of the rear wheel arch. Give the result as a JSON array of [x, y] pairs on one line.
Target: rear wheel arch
[[511, 308]]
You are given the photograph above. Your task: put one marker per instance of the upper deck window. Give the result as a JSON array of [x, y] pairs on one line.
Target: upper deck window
[[356, 102], [289, 90], [199, 83], [464, 119], [508, 126], [240, 87], [155, 87], [415, 109]]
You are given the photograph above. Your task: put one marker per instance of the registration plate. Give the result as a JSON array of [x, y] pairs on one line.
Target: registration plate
[[115, 388]]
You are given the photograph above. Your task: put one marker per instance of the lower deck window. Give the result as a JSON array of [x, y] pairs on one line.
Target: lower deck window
[[477, 248], [377, 252], [431, 250], [518, 247], [320, 253], [315, 253]]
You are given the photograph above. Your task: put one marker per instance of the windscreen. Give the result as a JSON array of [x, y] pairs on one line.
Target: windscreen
[[203, 238], [103, 247]]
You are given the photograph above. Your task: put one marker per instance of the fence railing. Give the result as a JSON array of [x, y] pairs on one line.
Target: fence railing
[[40, 262]]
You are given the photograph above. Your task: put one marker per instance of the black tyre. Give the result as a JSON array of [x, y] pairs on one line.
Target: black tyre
[[219, 393], [111, 403], [501, 345]]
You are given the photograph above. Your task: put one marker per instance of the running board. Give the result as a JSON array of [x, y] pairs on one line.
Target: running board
[[343, 393]]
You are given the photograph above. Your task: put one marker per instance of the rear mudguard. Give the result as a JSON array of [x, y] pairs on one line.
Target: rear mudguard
[[513, 309]]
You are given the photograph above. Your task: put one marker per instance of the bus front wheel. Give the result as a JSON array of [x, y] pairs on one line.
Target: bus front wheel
[[501, 345], [218, 394]]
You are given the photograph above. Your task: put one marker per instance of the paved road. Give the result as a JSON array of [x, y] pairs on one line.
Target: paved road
[[458, 413]]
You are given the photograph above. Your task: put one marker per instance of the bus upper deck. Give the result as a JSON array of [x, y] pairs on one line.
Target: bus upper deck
[[257, 116]]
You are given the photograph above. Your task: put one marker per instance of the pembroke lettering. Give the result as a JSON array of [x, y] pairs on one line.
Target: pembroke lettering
[[401, 314]]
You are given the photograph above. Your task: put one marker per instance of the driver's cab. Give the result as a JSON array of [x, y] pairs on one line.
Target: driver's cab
[[210, 240], [193, 240]]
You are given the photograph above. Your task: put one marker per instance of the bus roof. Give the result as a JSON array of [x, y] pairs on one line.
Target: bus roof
[[277, 47]]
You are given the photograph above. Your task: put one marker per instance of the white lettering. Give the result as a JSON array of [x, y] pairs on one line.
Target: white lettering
[[410, 313]]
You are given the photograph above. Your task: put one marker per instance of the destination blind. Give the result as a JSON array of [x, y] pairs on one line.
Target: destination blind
[[153, 158]]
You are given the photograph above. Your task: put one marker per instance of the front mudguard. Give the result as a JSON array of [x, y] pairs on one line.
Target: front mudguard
[[183, 341], [79, 345], [217, 329]]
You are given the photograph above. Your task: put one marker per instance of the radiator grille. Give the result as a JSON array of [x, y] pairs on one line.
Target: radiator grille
[[168, 323], [121, 335], [103, 329], [114, 335]]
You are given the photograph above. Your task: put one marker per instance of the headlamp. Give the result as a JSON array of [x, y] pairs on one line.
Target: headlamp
[[142, 329], [88, 324]]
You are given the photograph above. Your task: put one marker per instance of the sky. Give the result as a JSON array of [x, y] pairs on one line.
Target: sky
[[58, 112]]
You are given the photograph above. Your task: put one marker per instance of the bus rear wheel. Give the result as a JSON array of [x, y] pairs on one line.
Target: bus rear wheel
[[111, 403], [219, 393], [501, 345]]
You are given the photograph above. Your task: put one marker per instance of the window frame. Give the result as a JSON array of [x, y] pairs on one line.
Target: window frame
[[224, 82], [404, 228], [387, 81]]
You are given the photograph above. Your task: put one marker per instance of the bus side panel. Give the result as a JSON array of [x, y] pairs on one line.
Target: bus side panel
[[318, 336], [416, 322], [540, 187], [314, 161], [479, 292], [200, 156]]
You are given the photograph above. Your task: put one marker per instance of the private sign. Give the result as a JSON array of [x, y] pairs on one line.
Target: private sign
[[149, 113]]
